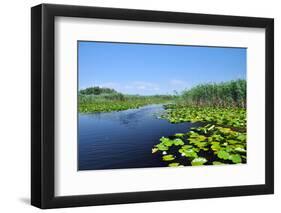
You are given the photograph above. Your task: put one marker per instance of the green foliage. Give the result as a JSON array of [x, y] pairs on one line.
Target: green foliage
[[174, 165], [227, 94], [180, 135], [189, 152], [162, 147], [198, 161], [220, 109], [236, 158], [223, 155], [168, 157], [206, 145], [178, 142], [108, 106], [96, 91], [230, 117], [107, 101]]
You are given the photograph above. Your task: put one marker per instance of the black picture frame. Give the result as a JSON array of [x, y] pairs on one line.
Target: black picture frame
[[43, 113]]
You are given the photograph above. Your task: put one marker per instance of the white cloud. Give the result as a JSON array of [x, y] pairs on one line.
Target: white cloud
[[178, 85], [147, 86], [135, 87]]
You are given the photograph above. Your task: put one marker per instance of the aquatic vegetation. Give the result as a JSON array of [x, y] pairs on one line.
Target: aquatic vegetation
[[198, 161], [231, 117], [225, 94], [93, 100], [219, 142], [174, 165], [109, 106], [168, 157], [219, 109]]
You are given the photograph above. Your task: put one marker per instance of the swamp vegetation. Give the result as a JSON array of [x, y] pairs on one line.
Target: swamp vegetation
[[96, 99], [220, 109]]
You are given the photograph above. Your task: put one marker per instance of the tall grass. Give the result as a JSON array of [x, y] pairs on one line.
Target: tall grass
[[87, 99], [226, 94]]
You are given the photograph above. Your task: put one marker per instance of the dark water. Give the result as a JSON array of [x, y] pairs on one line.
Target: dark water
[[123, 139]]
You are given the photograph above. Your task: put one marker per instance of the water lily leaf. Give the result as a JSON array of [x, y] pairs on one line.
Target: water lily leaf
[[217, 163], [198, 161], [200, 145], [180, 135], [189, 153], [215, 143], [223, 154], [216, 146], [174, 165], [193, 134], [166, 141], [235, 158], [168, 157], [162, 147], [217, 137], [229, 148], [232, 141], [178, 142], [224, 130], [186, 147], [196, 149], [201, 138], [242, 137], [240, 149]]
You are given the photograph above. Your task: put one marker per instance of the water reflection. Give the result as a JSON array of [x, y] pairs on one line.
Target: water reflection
[[123, 139]]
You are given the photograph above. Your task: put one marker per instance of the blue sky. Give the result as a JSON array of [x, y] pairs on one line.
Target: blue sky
[[156, 69]]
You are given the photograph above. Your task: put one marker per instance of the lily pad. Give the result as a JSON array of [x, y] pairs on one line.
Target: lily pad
[[216, 146], [223, 154], [217, 163], [198, 161], [178, 142], [232, 141], [186, 147], [242, 137], [168, 157], [162, 147], [235, 158], [189, 153], [166, 141], [180, 135], [174, 165], [240, 149]]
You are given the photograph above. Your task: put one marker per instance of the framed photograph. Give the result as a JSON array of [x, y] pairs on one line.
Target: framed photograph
[[139, 106]]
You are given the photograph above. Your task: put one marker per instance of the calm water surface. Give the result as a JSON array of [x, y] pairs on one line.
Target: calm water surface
[[124, 139]]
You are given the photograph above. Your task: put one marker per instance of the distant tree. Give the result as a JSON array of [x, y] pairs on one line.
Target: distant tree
[[97, 91]]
